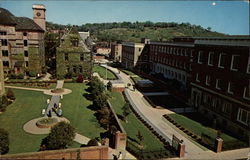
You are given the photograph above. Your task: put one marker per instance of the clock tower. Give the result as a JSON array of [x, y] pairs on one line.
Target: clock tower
[[39, 15]]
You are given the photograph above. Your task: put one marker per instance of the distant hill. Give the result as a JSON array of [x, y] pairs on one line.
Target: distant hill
[[134, 31]]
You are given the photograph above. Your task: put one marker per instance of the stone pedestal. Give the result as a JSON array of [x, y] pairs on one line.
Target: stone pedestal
[[218, 145], [181, 150], [120, 140], [2, 90]]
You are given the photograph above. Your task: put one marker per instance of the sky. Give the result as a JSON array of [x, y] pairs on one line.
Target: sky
[[230, 17]]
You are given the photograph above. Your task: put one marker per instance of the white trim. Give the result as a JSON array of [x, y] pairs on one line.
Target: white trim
[[232, 62], [208, 61], [245, 92], [217, 84], [224, 96], [248, 65], [208, 78], [199, 57], [229, 88], [240, 110], [197, 77], [219, 65]]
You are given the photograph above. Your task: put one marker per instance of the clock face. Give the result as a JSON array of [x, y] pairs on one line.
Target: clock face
[[38, 14]]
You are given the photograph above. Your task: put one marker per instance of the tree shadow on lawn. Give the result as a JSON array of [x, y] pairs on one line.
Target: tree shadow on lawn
[[133, 140], [88, 96], [92, 107]]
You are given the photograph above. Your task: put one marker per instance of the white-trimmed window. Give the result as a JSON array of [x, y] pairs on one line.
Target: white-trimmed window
[[186, 52], [230, 88], [246, 93], [222, 60], [211, 59], [197, 78], [192, 53], [208, 80], [218, 84], [248, 65], [243, 116], [226, 108], [235, 62], [200, 57]]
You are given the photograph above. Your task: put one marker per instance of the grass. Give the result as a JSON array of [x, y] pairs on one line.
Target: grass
[[27, 106], [102, 72], [128, 72], [74, 106], [198, 128], [51, 86], [151, 143]]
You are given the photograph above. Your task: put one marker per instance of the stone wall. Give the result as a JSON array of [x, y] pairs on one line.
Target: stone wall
[[96, 152]]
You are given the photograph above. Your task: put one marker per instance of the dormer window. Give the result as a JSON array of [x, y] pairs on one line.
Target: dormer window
[[25, 34]]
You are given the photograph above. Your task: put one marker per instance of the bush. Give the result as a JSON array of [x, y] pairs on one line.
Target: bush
[[68, 75], [92, 142], [4, 141], [12, 76], [79, 79], [109, 86], [10, 94], [60, 137], [32, 74], [20, 76], [3, 103]]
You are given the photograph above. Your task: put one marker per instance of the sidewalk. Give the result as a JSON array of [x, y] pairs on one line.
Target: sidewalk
[[154, 118]]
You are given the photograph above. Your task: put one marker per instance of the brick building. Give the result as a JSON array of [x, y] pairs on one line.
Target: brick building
[[172, 59], [220, 81], [72, 57], [116, 52], [130, 54], [22, 41]]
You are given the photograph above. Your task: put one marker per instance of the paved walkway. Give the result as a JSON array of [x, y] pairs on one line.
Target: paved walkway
[[154, 118], [26, 88], [46, 77]]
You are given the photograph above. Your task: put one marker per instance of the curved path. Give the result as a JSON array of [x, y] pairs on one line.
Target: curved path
[[154, 117]]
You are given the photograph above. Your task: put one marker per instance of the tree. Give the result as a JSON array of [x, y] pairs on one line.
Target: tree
[[109, 86], [10, 94], [4, 141], [126, 111], [60, 137], [140, 137], [92, 142], [100, 100], [3, 103]]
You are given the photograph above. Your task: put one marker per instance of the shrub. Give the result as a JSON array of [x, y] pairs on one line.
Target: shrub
[[12, 76], [32, 74], [79, 79], [109, 86], [92, 142], [20, 76], [4, 141], [10, 94], [60, 137], [3, 103]]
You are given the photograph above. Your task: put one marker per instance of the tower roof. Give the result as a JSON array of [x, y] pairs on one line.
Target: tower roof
[[38, 6]]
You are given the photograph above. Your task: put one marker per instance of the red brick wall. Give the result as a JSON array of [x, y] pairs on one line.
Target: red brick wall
[[96, 152]]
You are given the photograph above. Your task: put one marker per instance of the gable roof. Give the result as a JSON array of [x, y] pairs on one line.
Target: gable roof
[[6, 18], [24, 23]]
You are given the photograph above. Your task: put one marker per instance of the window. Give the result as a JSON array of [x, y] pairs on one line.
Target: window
[[26, 53], [226, 108], [5, 53], [25, 42], [248, 65], [222, 60], [3, 33], [243, 116], [211, 59], [66, 57], [200, 57], [192, 53], [197, 77], [80, 69], [230, 88], [26, 64], [218, 84], [235, 62], [246, 93], [6, 63], [139, 49], [81, 57], [4, 42], [24, 33], [208, 80]]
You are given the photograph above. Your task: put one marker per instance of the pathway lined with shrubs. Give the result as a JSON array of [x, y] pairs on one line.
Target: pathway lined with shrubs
[[155, 118]]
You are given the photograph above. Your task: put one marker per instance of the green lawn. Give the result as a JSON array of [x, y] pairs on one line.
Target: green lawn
[[198, 128], [51, 86], [102, 72], [27, 106], [128, 72], [134, 125], [75, 109]]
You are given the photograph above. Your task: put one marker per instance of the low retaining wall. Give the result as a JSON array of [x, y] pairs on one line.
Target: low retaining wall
[[96, 152]]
